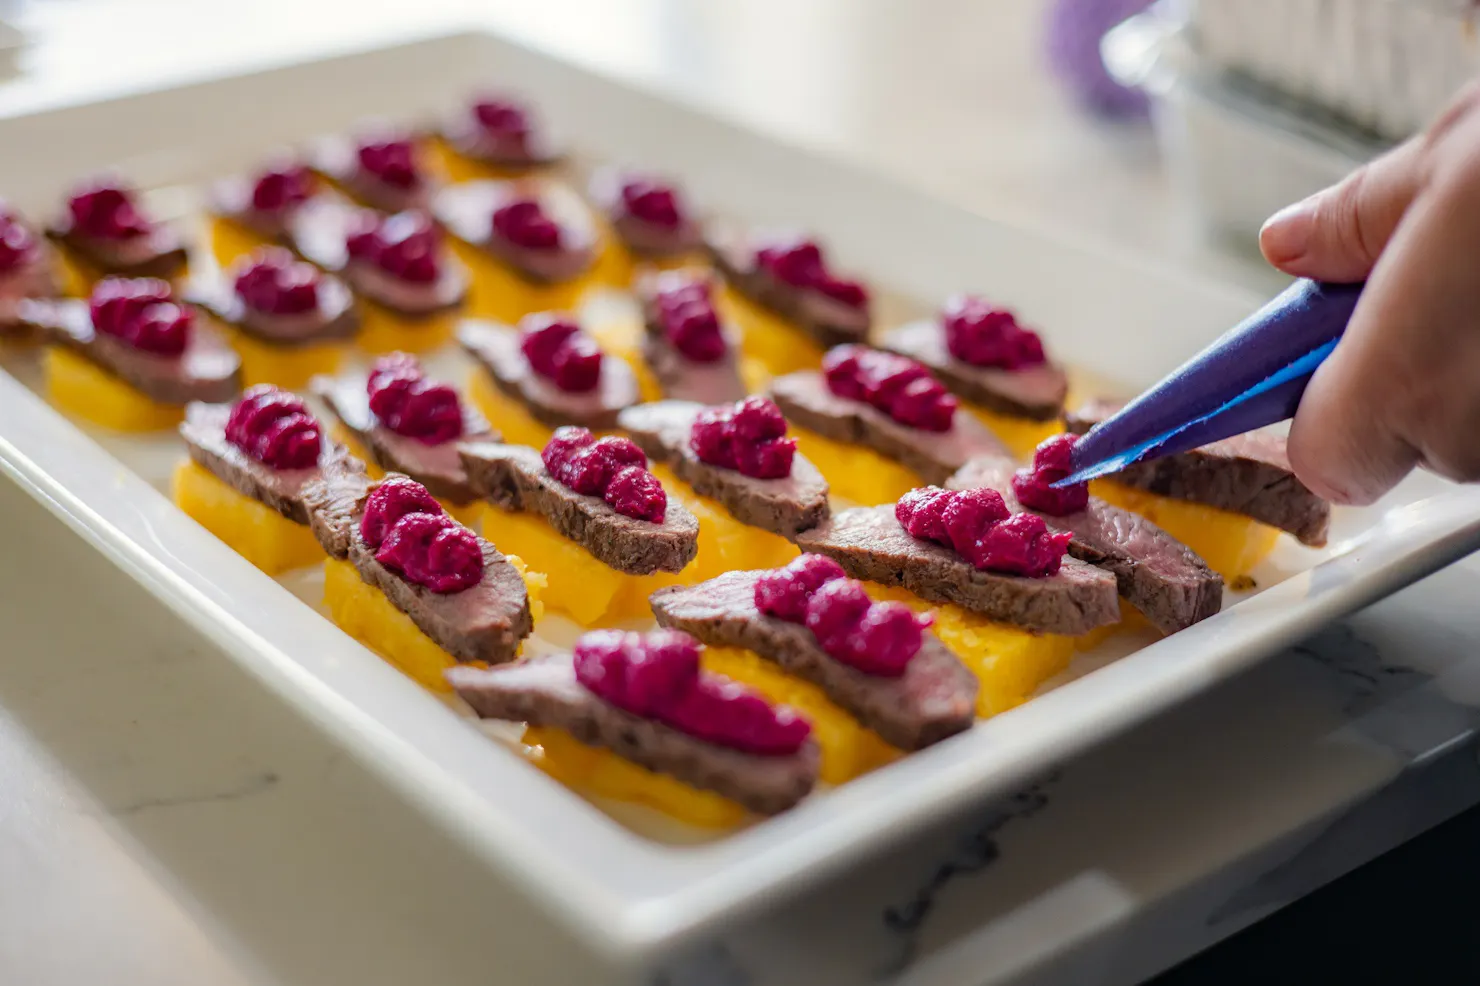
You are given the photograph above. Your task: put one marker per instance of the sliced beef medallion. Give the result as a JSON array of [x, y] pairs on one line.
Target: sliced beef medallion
[[1247, 474], [208, 370], [497, 350], [514, 477], [29, 269], [933, 699], [468, 210], [437, 467], [158, 252], [502, 133], [543, 691], [322, 229], [1157, 574], [204, 432], [264, 200], [830, 320], [807, 401], [332, 319], [784, 506], [715, 379], [1035, 392], [400, 181], [684, 379], [871, 545], [647, 213], [485, 623]]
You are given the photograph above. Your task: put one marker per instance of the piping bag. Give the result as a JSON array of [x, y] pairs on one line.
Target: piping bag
[[1251, 376]]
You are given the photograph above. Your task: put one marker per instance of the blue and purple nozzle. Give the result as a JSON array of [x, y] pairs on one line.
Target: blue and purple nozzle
[[1251, 376]]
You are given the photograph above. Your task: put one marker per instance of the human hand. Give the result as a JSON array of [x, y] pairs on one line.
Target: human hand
[[1403, 386]]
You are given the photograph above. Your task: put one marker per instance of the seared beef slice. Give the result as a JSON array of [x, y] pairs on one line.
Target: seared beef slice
[[1157, 574], [486, 622], [204, 432], [869, 543], [807, 402], [933, 699], [514, 477], [543, 691], [782, 506], [1247, 474]]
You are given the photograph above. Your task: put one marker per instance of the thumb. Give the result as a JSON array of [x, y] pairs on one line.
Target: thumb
[[1337, 234]]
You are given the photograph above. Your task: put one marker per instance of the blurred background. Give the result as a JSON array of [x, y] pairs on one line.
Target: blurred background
[[1000, 105]]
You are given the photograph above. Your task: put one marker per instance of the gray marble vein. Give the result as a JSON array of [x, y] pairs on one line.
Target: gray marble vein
[[254, 785], [975, 852], [1391, 706], [1372, 676]]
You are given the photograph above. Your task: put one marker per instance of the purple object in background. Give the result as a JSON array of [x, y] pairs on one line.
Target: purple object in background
[[1075, 28], [1251, 376]]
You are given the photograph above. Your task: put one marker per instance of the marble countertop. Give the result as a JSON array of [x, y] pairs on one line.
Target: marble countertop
[[1112, 869]]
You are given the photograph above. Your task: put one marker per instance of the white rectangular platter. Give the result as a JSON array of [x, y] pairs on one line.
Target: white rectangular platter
[[626, 894]]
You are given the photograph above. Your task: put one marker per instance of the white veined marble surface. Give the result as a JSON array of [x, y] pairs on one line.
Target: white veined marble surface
[[1114, 868]]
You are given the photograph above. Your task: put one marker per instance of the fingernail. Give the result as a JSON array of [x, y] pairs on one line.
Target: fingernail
[[1286, 234]]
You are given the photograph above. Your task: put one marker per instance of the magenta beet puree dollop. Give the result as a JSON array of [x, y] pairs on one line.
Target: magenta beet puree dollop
[[141, 312], [1052, 461], [685, 308], [274, 428], [407, 246], [749, 437], [977, 525], [409, 404], [614, 469], [280, 189], [107, 211], [981, 334], [652, 201], [412, 535], [657, 676], [876, 638], [800, 263], [274, 282], [559, 351], [502, 119], [392, 161], [896, 385], [524, 222]]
